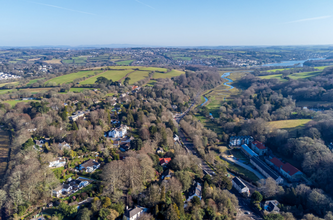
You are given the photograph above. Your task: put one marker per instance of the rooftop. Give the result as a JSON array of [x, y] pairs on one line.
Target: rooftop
[[259, 145], [277, 162], [239, 182], [249, 151], [290, 169], [264, 167]]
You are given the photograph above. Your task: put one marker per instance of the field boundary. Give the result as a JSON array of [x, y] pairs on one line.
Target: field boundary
[[126, 76]]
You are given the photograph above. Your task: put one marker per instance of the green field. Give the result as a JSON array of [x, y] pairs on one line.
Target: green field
[[182, 58], [4, 150], [9, 83], [115, 75], [275, 70], [124, 63], [151, 83], [14, 102], [286, 124], [170, 74], [35, 90], [33, 81], [292, 76], [152, 69], [5, 91], [70, 77], [78, 89], [137, 76]]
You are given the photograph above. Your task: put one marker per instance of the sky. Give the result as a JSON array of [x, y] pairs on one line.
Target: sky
[[166, 22]]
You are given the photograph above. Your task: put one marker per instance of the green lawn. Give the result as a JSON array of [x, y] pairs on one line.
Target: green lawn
[[292, 76], [14, 102], [137, 76], [110, 94], [9, 83], [70, 77], [124, 63], [289, 123], [5, 91], [170, 74], [115, 75]]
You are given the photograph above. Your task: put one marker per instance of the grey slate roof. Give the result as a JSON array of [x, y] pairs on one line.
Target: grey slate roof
[[239, 182], [264, 167], [131, 212]]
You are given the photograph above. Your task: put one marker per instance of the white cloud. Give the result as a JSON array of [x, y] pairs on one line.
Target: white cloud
[[309, 19]]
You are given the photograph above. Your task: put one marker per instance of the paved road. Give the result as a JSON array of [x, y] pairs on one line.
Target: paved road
[[244, 203]]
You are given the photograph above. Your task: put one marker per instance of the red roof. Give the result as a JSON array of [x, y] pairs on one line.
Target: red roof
[[259, 145], [277, 162], [165, 160], [290, 169]]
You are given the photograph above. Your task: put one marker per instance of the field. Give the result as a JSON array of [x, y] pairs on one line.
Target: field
[[78, 89], [9, 83], [70, 77], [151, 69], [151, 83], [33, 81], [14, 102], [124, 63], [53, 61], [292, 76], [170, 74], [137, 76], [115, 75], [182, 58], [5, 91], [4, 150], [312, 103], [292, 126], [275, 70], [35, 90]]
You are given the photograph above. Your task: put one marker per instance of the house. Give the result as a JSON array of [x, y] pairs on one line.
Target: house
[[291, 172], [175, 107], [64, 189], [64, 145], [167, 174], [196, 192], [247, 151], [286, 169], [77, 115], [258, 147], [159, 150], [175, 138], [265, 170], [164, 161], [89, 166], [118, 132], [126, 139], [60, 162], [271, 206], [239, 140], [41, 142], [240, 186], [125, 147], [134, 213]]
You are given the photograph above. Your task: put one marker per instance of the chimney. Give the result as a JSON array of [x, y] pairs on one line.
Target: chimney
[[126, 207]]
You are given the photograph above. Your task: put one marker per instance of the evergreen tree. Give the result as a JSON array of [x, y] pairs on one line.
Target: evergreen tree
[[74, 126]]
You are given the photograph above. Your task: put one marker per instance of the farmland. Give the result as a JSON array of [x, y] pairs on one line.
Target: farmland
[[292, 126], [14, 102], [5, 91], [4, 151], [115, 75], [70, 77], [33, 81], [35, 90], [53, 61], [137, 76], [9, 83], [170, 74], [124, 63]]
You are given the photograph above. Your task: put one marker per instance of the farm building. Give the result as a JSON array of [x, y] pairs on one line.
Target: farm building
[[265, 170], [286, 169]]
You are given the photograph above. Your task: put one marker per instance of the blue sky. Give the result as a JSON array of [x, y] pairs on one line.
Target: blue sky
[[166, 22]]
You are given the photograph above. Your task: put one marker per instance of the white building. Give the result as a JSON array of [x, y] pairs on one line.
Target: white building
[[89, 166], [240, 186], [134, 213], [118, 132], [60, 162]]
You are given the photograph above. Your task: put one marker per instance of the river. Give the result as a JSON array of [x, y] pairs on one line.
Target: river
[[296, 63]]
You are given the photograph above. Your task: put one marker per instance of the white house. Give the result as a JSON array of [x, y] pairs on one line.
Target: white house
[[89, 166], [118, 132], [60, 162], [64, 145], [134, 213], [240, 186]]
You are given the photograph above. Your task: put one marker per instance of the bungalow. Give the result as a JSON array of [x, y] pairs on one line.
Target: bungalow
[[134, 213], [240, 186], [271, 206], [41, 142], [89, 166], [60, 162], [64, 145], [258, 147], [118, 132], [167, 174], [196, 192], [164, 161], [76, 115]]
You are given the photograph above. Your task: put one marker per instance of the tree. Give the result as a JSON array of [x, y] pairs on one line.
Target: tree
[[74, 126], [136, 144], [67, 210], [126, 81], [107, 202], [256, 196], [104, 213], [84, 214], [273, 216], [171, 213], [196, 201]]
